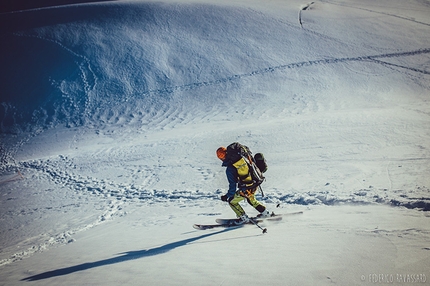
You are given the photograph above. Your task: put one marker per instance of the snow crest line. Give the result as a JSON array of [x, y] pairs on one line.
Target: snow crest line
[[303, 8], [374, 58]]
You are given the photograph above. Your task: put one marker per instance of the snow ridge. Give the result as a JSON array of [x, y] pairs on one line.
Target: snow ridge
[[303, 8]]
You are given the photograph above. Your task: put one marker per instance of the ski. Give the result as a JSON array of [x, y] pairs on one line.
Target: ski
[[272, 217], [226, 223], [294, 213], [255, 219], [210, 226]]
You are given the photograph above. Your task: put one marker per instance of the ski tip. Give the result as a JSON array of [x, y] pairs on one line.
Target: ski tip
[[196, 226], [200, 226]]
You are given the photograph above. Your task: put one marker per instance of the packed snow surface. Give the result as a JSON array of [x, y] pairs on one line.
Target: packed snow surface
[[111, 113]]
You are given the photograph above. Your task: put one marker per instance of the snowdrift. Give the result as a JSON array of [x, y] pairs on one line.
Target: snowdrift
[[109, 69]]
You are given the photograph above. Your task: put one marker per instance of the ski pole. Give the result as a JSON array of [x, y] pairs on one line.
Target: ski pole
[[259, 226], [261, 190], [255, 223]]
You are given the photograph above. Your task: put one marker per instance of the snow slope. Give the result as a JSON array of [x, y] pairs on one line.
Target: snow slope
[[111, 113]]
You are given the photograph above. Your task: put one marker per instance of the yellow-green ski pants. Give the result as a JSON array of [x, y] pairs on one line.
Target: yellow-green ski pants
[[250, 198]]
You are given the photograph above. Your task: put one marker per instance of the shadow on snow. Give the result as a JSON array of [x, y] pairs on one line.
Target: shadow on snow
[[126, 256]]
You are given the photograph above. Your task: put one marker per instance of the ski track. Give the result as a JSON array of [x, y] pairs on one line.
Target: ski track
[[117, 195], [114, 194], [54, 170], [305, 7], [89, 78], [369, 58], [376, 12]]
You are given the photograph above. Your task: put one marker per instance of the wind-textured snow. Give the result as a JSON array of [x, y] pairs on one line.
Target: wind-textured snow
[[111, 113]]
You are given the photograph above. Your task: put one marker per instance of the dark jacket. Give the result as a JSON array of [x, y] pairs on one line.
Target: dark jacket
[[232, 178]]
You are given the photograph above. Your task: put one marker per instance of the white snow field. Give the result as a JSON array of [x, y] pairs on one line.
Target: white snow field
[[111, 113]]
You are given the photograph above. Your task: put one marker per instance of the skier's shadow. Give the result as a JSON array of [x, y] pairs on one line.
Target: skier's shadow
[[126, 256]]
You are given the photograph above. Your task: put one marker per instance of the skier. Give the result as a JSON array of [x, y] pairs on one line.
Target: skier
[[237, 192]]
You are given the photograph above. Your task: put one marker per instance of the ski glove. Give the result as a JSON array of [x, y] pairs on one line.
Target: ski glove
[[225, 198]]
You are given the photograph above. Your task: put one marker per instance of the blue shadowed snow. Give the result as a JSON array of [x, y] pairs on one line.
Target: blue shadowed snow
[[96, 64]]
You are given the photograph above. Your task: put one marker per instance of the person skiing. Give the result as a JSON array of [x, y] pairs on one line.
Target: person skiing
[[238, 191]]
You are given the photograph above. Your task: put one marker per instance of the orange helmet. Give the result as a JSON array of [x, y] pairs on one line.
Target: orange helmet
[[221, 152]]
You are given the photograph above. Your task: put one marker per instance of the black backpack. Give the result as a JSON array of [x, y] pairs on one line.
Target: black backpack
[[250, 174], [260, 161]]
